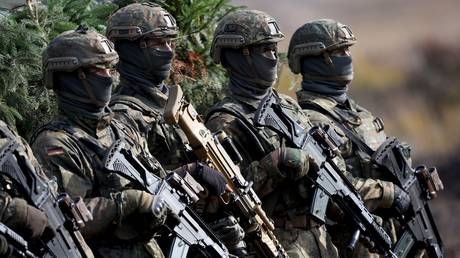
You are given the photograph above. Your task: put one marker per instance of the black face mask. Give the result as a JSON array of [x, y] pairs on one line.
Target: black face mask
[[330, 80], [145, 67], [242, 81], [74, 97]]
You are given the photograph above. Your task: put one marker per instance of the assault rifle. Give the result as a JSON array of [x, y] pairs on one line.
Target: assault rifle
[[14, 243], [65, 217], [422, 185], [188, 229], [330, 180], [208, 148]]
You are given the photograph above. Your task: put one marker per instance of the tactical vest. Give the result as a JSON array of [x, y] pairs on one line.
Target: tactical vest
[[166, 142], [285, 201], [104, 182], [362, 123]]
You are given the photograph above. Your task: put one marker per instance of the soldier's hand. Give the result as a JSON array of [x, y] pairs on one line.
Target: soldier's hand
[[140, 202], [401, 201], [293, 163], [213, 180], [29, 221], [231, 234]]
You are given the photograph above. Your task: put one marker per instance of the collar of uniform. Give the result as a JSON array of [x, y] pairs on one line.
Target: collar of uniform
[[151, 96], [253, 104], [94, 127]]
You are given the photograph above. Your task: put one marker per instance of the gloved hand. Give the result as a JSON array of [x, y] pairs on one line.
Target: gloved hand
[[231, 234], [140, 214], [29, 221], [213, 180], [139, 202], [292, 163], [401, 201]]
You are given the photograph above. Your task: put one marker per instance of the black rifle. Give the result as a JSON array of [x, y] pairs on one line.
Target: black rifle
[[422, 185], [13, 243], [330, 180], [188, 229], [62, 238]]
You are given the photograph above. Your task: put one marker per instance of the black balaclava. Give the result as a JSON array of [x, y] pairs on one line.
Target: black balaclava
[[242, 82], [146, 68], [328, 79], [74, 97]]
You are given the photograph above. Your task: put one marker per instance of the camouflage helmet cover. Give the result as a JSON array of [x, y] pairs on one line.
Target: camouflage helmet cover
[[317, 37], [75, 49], [244, 28], [146, 20]]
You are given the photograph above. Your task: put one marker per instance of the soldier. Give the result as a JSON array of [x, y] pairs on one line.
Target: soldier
[[77, 66], [142, 35], [319, 50], [15, 212], [245, 43]]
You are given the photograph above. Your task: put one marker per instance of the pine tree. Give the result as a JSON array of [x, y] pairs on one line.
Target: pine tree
[[24, 101]]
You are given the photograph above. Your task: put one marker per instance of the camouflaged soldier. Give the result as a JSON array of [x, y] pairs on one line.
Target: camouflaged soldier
[[71, 146], [319, 51], [77, 66], [143, 34], [245, 43], [24, 219]]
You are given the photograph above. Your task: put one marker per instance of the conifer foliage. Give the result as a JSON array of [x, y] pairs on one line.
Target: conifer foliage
[[24, 101]]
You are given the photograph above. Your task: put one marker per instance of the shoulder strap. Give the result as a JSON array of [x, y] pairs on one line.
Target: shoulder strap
[[237, 111], [348, 132]]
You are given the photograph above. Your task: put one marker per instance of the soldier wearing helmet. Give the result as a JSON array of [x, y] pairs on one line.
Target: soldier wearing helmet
[[77, 66], [245, 43], [319, 50], [143, 34]]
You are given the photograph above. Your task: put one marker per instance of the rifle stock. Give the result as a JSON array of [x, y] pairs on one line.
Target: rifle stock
[[209, 150]]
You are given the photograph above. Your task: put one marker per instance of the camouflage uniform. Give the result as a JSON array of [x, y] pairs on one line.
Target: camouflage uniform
[[71, 148], [285, 196], [136, 102], [318, 39]]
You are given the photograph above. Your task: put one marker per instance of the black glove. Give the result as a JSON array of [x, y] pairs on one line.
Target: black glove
[[401, 201], [213, 180], [231, 234]]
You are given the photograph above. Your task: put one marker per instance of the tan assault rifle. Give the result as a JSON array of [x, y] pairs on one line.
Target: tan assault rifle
[[209, 150]]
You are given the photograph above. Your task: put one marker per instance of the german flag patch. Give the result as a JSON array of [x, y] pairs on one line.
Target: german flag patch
[[55, 151]]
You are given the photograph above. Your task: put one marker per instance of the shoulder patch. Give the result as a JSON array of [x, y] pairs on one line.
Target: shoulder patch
[[54, 151]]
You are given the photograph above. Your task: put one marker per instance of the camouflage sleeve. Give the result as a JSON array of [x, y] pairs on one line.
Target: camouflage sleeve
[[375, 193], [63, 160]]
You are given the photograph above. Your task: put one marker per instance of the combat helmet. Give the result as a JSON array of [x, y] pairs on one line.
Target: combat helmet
[[243, 28], [76, 49], [319, 37], [139, 21]]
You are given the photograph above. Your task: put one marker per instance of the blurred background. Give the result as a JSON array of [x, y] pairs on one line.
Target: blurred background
[[407, 71]]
